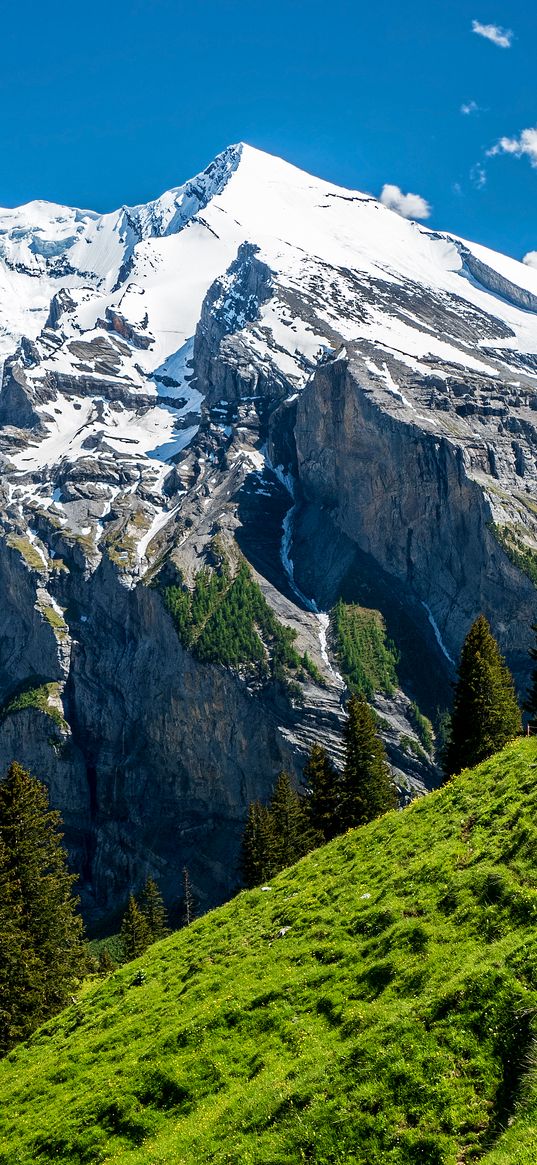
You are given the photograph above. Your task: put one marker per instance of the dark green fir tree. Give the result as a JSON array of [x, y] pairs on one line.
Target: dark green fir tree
[[367, 786], [21, 995], [486, 714], [106, 962], [292, 831], [135, 936], [40, 887], [188, 903], [258, 860], [322, 800], [154, 911]]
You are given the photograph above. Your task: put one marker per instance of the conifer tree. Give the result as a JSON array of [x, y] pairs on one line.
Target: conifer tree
[[258, 853], [189, 905], [40, 887], [531, 699], [485, 709], [154, 911], [367, 787], [21, 996], [322, 802], [106, 962], [293, 836], [134, 934], [277, 836]]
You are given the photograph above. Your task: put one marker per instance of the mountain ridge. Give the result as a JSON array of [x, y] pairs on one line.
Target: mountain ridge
[[293, 370]]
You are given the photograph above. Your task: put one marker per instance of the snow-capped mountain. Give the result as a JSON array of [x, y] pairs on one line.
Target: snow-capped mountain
[[346, 395], [111, 304]]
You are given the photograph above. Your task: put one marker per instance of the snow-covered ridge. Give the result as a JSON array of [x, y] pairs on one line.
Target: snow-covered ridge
[[283, 266], [244, 195], [170, 213]]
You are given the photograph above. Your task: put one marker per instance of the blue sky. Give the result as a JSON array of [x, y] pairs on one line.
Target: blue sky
[[114, 102]]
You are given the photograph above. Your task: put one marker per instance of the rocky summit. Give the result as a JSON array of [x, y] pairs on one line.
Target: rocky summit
[[257, 368]]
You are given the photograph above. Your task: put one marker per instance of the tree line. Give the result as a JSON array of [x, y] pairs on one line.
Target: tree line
[[146, 920], [278, 834], [485, 717]]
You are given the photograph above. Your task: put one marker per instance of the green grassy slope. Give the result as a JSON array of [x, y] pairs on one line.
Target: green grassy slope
[[391, 1023]]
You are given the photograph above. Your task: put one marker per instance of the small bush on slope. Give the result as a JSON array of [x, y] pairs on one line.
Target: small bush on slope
[[391, 1024]]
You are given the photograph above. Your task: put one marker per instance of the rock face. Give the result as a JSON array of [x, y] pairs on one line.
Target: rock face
[[406, 497], [262, 359], [170, 746]]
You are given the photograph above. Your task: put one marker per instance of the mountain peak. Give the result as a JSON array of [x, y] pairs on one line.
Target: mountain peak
[[154, 356]]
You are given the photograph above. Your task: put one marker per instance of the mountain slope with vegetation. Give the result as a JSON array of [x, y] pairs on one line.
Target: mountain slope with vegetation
[[237, 370], [375, 1005]]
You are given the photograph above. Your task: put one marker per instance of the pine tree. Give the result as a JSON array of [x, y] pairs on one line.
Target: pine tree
[[367, 787], [21, 996], [40, 887], [322, 801], [277, 836], [106, 962], [485, 710], [293, 836], [531, 699], [258, 853], [189, 905], [154, 911], [134, 934]]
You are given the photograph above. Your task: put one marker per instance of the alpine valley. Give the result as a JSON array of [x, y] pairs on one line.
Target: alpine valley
[[258, 379]]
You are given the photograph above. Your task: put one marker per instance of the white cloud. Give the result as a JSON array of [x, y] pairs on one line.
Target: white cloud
[[526, 144], [503, 37], [530, 259], [478, 176], [468, 107], [407, 205]]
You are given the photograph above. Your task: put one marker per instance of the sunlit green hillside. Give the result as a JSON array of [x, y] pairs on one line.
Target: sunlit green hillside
[[376, 1005]]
